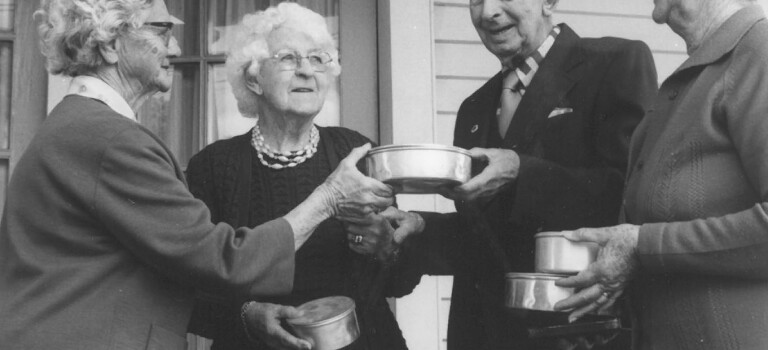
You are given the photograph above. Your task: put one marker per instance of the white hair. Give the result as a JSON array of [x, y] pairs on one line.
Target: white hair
[[71, 31], [249, 45]]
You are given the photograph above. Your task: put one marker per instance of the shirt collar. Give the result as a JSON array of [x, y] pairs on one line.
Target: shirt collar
[[96, 88], [725, 38], [528, 68]]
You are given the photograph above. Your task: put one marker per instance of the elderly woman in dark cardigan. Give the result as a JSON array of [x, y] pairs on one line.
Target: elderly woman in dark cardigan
[[101, 243], [280, 68], [693, 255]]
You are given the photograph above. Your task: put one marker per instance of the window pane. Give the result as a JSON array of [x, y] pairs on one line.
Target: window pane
[[188, 34], [6, 15], [6, 57], [173, 115], [226, 13], [223, 118], [223, 14], [3, 182]]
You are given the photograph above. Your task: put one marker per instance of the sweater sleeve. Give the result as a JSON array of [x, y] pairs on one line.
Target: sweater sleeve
[[143, 202]]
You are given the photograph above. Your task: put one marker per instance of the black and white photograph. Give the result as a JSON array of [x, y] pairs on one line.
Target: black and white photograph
[[384, 174]]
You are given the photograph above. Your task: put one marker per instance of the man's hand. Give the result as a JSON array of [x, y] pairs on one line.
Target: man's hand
[[501, 172]]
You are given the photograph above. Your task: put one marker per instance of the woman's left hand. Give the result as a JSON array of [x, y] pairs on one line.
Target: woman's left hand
[[381, 234], [605, 279], [351, 192], [263, 320]]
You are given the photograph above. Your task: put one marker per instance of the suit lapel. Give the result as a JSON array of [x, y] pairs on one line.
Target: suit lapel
[[481, 109], [553, 80]]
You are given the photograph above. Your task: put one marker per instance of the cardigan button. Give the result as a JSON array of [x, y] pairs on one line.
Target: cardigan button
[[673, 95]]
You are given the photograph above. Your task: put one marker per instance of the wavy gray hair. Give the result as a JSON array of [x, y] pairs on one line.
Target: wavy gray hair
[[249, 46], [71, 31]]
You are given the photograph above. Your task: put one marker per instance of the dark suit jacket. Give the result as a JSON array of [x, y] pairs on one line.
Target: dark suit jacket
[[101, 243], [571, 175]]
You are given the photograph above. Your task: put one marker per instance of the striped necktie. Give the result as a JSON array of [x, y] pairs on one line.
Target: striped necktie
[[510, 99], [517, 79]]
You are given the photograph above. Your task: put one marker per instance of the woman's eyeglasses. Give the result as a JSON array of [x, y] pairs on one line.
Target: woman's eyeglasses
[[162, 29], [290, 60]]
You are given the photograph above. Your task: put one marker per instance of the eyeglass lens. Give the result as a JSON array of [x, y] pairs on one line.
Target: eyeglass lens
[[291, 60], [163, 29]]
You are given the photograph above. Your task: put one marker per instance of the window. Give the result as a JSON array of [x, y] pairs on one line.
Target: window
[[200, 108], [7, 38]]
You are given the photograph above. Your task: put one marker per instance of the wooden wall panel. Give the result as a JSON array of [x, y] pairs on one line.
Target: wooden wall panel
[[451, 92], [464, 60]]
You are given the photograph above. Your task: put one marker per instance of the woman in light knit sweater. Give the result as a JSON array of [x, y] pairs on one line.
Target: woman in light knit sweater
[[693, 254]]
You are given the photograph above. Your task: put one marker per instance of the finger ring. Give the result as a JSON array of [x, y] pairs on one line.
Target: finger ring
[[602, 299], [358, 239]]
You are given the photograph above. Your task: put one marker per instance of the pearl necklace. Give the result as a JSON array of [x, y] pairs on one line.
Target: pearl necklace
[[283, 160]]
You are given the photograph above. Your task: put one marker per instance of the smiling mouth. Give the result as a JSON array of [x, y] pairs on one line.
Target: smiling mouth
[[501, 30], [302, 90]]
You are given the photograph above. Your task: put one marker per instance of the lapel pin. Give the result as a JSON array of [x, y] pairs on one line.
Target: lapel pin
[[474, 128]]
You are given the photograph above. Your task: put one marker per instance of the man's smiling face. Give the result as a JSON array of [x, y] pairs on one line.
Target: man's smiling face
[[510, 28]]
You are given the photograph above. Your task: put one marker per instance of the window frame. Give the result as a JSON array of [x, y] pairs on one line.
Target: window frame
[[358, 82]]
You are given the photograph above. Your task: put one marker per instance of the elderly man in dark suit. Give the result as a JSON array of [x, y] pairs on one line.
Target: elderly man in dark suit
[[553, 127]]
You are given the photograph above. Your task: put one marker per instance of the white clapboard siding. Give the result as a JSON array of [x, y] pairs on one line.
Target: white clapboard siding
[[462, 64]]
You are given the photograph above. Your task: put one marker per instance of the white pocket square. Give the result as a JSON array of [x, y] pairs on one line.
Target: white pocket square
[[558, 111]]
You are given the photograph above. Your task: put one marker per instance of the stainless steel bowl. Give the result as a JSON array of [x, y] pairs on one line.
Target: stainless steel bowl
[[556, 254], [534, 291], [419, 168], [328, 323]]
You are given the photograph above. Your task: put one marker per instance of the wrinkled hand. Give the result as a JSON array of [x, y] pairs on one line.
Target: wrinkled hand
[[381, 233], [352, 193], [263, 322], [605, 279], [501, 172]]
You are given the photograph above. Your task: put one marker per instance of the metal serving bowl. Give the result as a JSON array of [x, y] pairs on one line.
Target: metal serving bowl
[[328, 323], [419, 168], [534, 291], [556, 254]]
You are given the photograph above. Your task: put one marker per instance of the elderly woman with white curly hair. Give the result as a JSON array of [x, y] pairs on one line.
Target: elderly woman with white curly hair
[[281, 66], [101, 243]]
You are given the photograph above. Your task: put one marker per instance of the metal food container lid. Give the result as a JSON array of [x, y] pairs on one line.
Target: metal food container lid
[[535, 276], [323, 311], [548, 234], [425, 146]]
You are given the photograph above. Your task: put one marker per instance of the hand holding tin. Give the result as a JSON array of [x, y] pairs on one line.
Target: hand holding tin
[[262, 322], [500, 173], [604, 280]]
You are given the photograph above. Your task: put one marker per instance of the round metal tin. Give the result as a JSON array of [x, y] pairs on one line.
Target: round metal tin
[[559, 255], [328, 323], [419, 168]]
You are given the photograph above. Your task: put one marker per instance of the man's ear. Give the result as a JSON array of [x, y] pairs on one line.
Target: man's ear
[[548, 7], [252, 83], [109, 51]]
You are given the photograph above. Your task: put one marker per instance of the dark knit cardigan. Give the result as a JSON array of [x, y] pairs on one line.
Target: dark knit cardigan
[[325, 266]]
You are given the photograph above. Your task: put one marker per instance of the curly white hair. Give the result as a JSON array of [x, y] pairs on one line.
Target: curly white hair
[[71, 31], [249, 46]]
